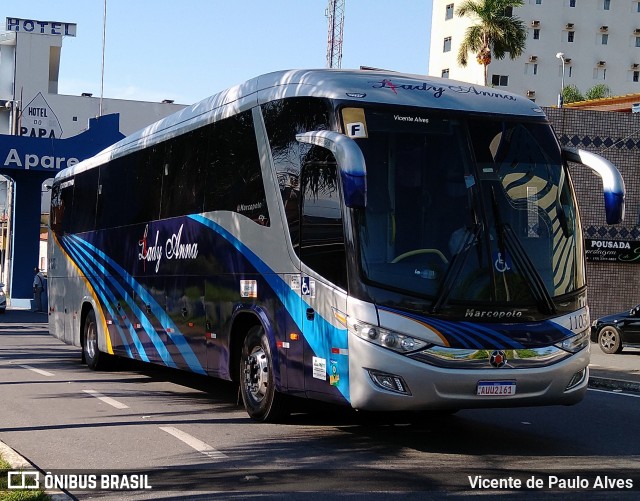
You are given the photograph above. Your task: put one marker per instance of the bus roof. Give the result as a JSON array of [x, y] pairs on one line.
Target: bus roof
[[365, 86]]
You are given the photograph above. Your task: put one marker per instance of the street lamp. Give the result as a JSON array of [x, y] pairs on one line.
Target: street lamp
[[560, 55], [14, 106]]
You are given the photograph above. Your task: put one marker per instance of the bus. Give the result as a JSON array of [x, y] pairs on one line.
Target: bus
[[389, 242]]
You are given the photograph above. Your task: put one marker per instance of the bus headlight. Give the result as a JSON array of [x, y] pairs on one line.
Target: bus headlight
[[575, 343], [386, 338]]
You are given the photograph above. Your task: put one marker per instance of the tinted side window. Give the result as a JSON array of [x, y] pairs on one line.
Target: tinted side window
[[284, 119], [322, 245], [233, 174], [182, 181], [83, 214], [130, 188], [61, 204]]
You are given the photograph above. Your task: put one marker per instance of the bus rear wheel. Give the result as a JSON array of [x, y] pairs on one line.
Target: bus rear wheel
[[94, 358], [257, 383]]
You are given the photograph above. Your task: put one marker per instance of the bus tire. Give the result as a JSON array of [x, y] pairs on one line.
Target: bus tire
[[94, 358], [257, 382]]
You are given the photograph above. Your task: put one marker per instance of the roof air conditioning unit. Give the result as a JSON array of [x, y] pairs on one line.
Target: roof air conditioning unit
[[535, 24], [604, 28], [533, 59], [567, 60], [602, 63], [569, 26], [636, 31], [635, 66], [531, 93]]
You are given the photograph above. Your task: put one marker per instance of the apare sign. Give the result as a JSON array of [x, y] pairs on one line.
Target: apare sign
[[52, 155]]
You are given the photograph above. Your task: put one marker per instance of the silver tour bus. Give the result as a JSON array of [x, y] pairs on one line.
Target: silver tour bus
[[386, 241]]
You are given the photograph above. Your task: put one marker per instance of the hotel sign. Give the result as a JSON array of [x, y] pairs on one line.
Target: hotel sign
[[41, 27], [612, 251]]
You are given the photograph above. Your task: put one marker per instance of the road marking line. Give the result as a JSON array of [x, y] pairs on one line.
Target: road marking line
[[106, 400], [194, 443], [39, 371], [614, 392]]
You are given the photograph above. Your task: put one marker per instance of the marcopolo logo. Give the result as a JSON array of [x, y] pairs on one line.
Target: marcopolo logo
[[493, 314]]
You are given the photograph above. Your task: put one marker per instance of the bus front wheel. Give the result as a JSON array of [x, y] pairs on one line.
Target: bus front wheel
[[261, 400]]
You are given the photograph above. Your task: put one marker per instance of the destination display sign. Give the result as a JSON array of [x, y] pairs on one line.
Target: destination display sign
[[612, 251]]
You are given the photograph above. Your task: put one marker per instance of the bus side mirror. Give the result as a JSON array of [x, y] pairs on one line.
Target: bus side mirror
[[350, 160], [612, 182]]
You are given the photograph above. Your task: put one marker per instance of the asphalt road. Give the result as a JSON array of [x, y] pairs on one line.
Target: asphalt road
[[190, 437]]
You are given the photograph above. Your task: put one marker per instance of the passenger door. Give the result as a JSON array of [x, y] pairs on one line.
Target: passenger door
[[323, 275]]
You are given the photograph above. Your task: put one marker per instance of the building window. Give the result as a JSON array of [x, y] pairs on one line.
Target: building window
[[605, 38], [606, 4], [449, 12], [599, 73], [445, 73], [572, 3], [536, 33], [508, 11], [636, 76], [638, 7], [500, 80], [538, 2], [570, 36], [637, 41], [447, 45], [531, 69]]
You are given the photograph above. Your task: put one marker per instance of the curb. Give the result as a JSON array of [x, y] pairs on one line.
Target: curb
[[614, 384], [20, 463]]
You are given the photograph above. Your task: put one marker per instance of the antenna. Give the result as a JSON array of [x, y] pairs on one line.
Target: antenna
[[335, 14]]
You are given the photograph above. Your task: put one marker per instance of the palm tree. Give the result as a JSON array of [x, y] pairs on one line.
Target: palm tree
[[496, 32]]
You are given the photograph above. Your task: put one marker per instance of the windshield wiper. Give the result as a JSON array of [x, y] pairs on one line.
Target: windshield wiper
[[457, 264], [507, 239]]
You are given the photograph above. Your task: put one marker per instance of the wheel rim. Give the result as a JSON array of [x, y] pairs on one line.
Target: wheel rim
[[91, 342], [608, 339], [256, 374]]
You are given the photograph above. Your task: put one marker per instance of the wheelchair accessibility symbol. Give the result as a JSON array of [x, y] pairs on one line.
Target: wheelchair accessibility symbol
[[501, 264], [308, 287]]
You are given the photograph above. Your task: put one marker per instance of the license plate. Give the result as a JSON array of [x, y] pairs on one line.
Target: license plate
[[496, 388]]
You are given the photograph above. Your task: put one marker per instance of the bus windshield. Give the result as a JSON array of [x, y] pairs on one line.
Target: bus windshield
[[467, 209]]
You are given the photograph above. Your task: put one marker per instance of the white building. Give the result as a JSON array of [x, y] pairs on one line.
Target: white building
[[600, 40], [31, 107], [30, 53]]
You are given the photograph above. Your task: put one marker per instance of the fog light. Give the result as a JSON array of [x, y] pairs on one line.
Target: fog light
[[576, 379], [389, 382]]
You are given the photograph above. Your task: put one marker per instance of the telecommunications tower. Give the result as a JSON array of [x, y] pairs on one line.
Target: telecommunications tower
[[335, 14]]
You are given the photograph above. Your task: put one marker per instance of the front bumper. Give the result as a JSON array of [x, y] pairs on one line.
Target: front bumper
[[431, 388]]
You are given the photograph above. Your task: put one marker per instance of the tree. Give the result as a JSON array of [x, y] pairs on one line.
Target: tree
[[598, 92], [571, 94], [495, 33]]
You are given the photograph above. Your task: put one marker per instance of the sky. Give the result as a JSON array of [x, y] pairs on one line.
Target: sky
[[187, 50]]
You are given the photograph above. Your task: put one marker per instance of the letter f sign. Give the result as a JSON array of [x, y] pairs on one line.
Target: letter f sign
[[356, 129]]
